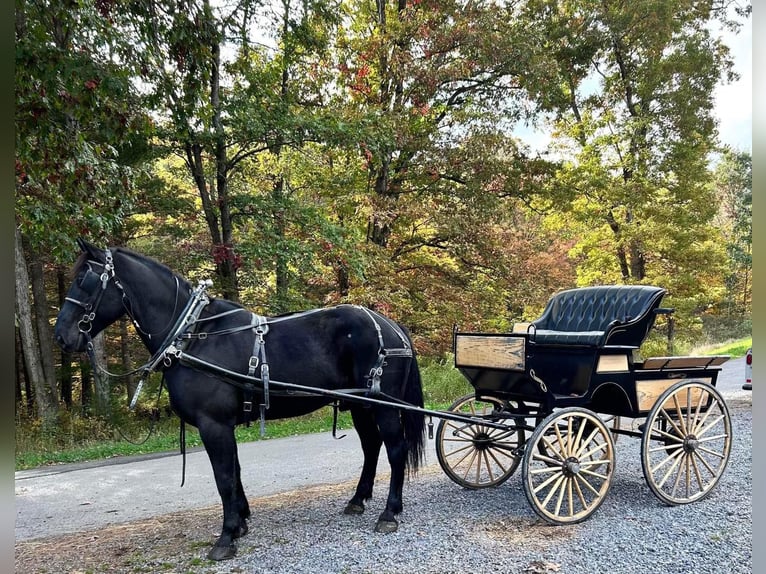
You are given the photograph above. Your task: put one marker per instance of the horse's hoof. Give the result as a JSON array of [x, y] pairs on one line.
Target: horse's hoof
[[386, 526], [352, 508], [222, 552]]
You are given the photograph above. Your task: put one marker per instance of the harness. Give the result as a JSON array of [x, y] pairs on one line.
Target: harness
[[187, 328]]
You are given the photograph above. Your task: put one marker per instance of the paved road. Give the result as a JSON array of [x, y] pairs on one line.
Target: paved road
[[71, 498]]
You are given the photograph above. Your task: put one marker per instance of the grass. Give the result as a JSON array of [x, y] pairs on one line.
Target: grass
[[77, 438], [734, 348]]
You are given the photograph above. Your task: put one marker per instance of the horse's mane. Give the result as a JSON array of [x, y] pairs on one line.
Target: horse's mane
[[150, 262]]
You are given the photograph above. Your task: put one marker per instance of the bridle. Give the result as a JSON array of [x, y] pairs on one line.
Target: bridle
[[90, 282]]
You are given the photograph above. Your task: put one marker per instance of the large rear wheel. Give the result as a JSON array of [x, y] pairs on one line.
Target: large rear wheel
[[473, 454], [686, 442]]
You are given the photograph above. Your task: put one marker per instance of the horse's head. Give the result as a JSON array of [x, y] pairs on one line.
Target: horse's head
[[93, 302]]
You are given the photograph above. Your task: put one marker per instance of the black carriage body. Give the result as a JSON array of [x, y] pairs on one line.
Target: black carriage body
[[582, 351]]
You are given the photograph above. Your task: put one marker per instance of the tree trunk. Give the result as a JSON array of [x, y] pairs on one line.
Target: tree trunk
[[41, 311], [127, 360], [65, 376], [45, 401], [100, 380], [86, 385], [24, 400]]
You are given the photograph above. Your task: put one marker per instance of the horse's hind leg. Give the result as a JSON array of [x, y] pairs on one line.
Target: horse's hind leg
[[365, 426], [221, 447], [242, 505], [392, 432]]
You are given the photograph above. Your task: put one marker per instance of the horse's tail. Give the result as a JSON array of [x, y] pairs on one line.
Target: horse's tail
[[414, 422]]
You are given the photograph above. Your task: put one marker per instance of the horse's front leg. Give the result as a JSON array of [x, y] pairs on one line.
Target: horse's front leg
[[221, 448]]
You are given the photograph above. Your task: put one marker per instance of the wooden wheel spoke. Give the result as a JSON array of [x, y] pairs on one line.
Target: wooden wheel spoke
[[586, 443], [553, 490], [670, 471], [560, 439], [469, 466], [712, 438], [489, 467], [591, 473], [468, 447], [546, 459], [578, 438], [667, 448], [697, 473], [552, 449], [549, 480], [702, 431], [545, 469], [593, 451], [581, 479], [679, 413], [462, 439], [491, 453], [670, 420], [590, 463], [674, 437], [679, 473], [703, 399], [560, 498], [671, 457], [720, 455], [580, 494], [705, 463]]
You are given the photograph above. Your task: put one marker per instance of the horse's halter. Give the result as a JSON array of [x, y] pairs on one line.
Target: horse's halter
[[91, 282]]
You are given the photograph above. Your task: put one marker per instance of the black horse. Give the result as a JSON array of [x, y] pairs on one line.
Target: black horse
[[340, 348]]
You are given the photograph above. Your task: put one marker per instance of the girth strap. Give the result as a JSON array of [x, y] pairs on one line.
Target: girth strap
[[376, 372], [260, 327]]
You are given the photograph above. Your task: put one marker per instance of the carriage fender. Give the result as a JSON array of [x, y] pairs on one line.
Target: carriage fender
[[610, 397]]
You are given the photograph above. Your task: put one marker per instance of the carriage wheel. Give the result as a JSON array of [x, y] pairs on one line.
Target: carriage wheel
[[474, 455], [569, 482], [686, 442]]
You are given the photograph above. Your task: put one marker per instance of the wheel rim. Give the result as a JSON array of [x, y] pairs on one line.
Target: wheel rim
[[686, 443], [568, 466], [475, 455]]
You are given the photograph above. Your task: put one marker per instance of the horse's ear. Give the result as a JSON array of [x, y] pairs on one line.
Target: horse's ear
[[88, 248]]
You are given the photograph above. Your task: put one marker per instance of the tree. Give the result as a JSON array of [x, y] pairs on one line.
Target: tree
[[733, 187], [630, 89], [80, 130]]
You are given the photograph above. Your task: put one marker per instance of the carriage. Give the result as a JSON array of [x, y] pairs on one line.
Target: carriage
[[548, 396], [552, 395]]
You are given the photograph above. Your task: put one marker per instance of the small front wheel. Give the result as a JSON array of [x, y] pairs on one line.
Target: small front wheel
[[686, 442], [475, 455], [568, 465]]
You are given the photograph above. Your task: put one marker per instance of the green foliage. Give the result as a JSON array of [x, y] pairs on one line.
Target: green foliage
[[81, 131]]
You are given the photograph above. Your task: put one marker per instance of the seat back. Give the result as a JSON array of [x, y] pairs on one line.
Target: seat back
[[612, 314]]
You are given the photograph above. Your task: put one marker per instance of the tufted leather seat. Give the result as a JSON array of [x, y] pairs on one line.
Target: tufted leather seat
[[613, 314]]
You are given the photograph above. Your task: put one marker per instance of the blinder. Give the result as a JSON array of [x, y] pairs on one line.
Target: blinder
[[93, 284]]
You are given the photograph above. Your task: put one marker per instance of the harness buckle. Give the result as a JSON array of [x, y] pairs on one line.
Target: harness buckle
[[252, 365], [247, 406]]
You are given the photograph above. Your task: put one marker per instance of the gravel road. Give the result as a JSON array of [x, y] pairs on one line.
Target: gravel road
[[444, 528]]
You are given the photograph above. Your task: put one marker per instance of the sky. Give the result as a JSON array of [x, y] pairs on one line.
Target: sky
[[734, 102]]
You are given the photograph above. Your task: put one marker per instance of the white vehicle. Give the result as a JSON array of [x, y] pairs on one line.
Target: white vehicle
[[748, 386]]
